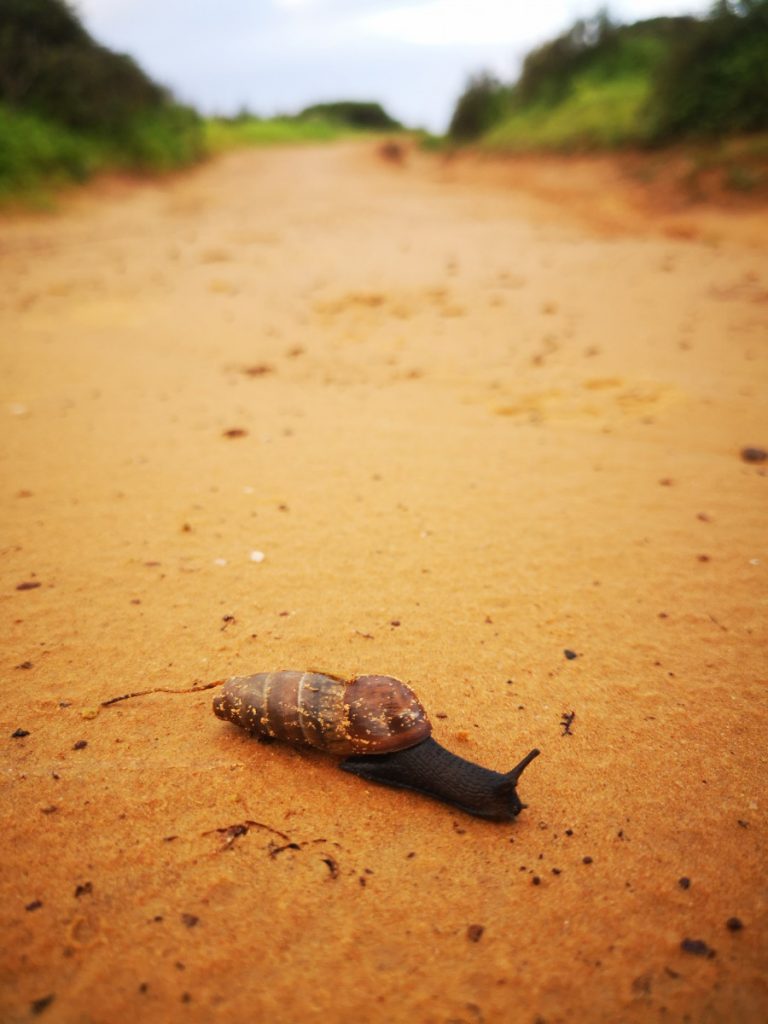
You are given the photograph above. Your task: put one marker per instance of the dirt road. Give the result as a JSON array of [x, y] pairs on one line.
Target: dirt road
[[307, 408]]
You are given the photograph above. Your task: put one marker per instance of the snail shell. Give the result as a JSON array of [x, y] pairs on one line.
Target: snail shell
[[378, 726], [367, 715]]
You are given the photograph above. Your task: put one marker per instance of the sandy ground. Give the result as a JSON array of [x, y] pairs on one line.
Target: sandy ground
[[472, 417]]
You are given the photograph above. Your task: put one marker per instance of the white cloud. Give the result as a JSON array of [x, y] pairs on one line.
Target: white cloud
[[295, 5], [494, 22], [451, 22]]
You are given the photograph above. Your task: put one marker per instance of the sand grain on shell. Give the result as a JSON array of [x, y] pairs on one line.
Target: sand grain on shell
[[308, 409]]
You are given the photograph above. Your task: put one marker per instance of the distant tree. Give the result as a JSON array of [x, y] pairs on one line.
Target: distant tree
[[548, 70], [479, 107], [50, 65], [355, 113], [715, 81]]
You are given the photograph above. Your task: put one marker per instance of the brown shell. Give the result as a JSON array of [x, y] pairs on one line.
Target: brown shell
[[367, 715]]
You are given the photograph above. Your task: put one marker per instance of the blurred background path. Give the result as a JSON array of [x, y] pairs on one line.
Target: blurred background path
[[478, 429]]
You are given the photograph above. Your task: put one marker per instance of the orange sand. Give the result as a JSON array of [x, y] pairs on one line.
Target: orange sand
[[480, 415]]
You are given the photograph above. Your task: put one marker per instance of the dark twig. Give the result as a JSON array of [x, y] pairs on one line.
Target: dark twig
[[161, 689]]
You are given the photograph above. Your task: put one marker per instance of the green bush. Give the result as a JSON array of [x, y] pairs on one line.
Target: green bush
[[33, 149], [50, 66], [715, 81], [481, 105], [69, 106], [593, 115], [162, 139], [601, 84], [587, 88], [358, 114], [549, 69]]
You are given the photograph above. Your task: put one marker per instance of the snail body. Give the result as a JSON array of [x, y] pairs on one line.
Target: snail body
[[378, 725]]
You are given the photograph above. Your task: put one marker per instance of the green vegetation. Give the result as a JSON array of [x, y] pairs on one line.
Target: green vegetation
[[715, 81], [592, 115], [363, 115], [323, 122], [32, 149], [228, 133], [70, 107], [602, 85], [483, 104]]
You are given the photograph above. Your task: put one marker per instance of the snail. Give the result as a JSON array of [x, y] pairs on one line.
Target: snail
[[378, 725]]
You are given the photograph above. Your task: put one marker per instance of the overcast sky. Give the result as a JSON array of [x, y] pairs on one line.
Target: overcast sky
[[273, 56]]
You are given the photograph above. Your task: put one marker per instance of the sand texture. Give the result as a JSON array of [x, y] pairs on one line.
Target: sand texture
[[309, 408]]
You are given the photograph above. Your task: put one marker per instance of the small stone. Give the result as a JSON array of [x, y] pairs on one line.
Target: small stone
[[475, 932], [19, 734], [734, 924], [37, 1006], [697, 947], [684, 882], [570, 655]]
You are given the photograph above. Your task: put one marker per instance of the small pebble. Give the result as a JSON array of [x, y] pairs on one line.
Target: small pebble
[[570, 655], [475, 932], [697, 947], [257, 556], [684, 883], [19, 734], [37, 1006], [734, 924]]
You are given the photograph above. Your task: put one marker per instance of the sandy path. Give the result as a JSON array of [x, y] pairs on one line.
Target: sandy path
[[472, 430]]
